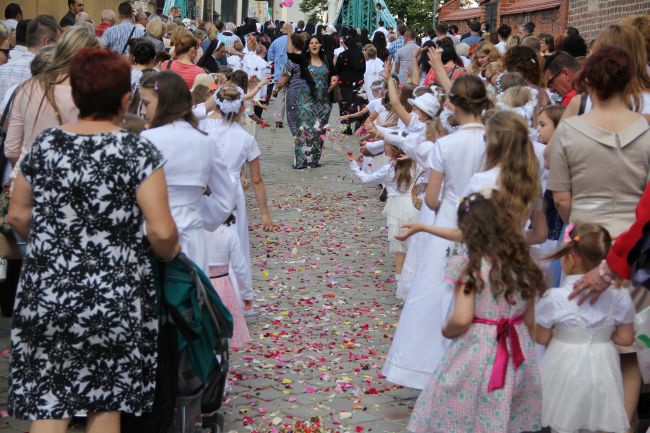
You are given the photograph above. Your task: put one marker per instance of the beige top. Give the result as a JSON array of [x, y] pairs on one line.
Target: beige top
[[605, 172], [27, 121]]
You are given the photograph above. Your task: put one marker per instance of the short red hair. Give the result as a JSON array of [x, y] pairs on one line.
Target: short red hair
[[99, 78], [606, 72]]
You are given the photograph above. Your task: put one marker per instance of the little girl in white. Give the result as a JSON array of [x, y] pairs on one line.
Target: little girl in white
[[582, 388], [224, 253], [397, 176]]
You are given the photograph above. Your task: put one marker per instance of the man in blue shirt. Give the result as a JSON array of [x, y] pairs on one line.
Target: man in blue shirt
[[475, 33], [278, 55], [399, 42]]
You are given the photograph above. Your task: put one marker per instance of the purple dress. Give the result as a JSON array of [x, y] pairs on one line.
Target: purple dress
[[457, 398]]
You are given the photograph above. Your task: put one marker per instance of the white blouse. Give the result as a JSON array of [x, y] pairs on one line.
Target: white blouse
[[384, 175], [192, 163], [225, 249], [614, 307]]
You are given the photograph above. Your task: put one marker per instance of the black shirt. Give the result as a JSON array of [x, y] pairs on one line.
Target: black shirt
[[67, 20]]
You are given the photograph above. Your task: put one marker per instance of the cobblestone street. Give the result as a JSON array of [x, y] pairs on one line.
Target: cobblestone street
[[325, 303]]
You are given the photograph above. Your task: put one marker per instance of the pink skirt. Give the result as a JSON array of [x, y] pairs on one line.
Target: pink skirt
[[226, 292]]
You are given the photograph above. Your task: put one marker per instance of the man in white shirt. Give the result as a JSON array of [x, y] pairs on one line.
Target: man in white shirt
[[141, 21], [20, 49], [13, 15], [381, 28], [117, 37], [42, 30]]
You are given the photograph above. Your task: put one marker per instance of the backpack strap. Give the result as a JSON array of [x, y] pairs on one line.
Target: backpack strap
[[128, 40], [169, 64]]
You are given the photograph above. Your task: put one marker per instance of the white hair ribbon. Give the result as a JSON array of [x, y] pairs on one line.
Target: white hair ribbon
[[226, 106]]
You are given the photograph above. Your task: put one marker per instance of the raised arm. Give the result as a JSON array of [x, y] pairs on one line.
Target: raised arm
[[435, 60]]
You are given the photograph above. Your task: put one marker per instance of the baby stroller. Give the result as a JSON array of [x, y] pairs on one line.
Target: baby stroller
[[193, 357]]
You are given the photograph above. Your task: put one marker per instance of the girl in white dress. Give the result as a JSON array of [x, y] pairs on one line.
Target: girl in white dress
[[397, 176], [582, 387], [228, 264], [238, 148], [512, 167], [192, 163], [418, 344]]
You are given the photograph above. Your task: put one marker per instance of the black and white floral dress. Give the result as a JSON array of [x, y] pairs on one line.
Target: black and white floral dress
[[85, 326]]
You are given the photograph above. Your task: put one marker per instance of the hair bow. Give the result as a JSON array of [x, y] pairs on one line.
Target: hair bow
[[567, 234]]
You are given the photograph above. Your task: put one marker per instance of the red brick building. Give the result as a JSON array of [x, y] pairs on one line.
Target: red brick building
[[549, 16]]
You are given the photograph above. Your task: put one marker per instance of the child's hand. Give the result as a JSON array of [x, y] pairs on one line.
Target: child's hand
[[344, 118], [267, 223], [350, 156], [373, 131], [411, 229], [435, 57], [388, 68]]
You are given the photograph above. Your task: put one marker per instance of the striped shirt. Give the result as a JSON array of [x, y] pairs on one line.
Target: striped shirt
[[117, 37], [395, 45]]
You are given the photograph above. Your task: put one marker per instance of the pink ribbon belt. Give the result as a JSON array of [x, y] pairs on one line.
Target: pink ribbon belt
[[505, 329]]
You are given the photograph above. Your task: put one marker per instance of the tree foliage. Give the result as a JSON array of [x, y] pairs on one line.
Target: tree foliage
[[313, 8], [417, 15]]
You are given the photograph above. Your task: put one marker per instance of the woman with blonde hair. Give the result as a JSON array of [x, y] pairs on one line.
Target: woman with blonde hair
[[630, 40], [485, 54], [45, 101], [155, 33], [5, 45]]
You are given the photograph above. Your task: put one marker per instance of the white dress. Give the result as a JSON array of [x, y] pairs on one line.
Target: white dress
[[373, 68], [191, 164], [224, 249], [237, 148], [399, 207], [421, 151], [418, 344], [582, 388]]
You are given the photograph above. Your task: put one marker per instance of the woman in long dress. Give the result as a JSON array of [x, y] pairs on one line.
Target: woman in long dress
[[312, 78]]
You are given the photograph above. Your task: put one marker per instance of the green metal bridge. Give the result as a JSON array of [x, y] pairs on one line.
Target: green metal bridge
[[365, 14]]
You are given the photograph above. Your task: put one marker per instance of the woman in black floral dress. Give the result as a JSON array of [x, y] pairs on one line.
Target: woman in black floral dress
[[84, 332]]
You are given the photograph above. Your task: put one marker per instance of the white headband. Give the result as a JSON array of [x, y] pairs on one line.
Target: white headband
[[227, 107]]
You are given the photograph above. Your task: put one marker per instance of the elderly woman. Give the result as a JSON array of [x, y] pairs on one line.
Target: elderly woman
[[155, 31], [600, 163], [83, 338], [5, 45]]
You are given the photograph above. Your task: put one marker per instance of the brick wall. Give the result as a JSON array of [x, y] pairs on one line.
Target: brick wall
[[591, 16], [546, 21]]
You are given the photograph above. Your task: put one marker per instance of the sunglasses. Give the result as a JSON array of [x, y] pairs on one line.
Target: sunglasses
[[550, 82]]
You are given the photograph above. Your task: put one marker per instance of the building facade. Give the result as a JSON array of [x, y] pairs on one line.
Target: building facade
[[549, 16]]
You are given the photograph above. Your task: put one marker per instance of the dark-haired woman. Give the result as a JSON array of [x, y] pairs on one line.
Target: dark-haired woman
[[452, 64], [84, 330], [379, 41], [192, 163], [143, 57], [311, 79], [351, 66], [600, 164]]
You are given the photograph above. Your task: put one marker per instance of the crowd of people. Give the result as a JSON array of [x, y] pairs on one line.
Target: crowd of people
[[513, 167]]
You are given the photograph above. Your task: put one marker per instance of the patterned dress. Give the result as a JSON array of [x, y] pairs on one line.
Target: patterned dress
[[308, 112], [456, 400], [314, 113], [85, 326]]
